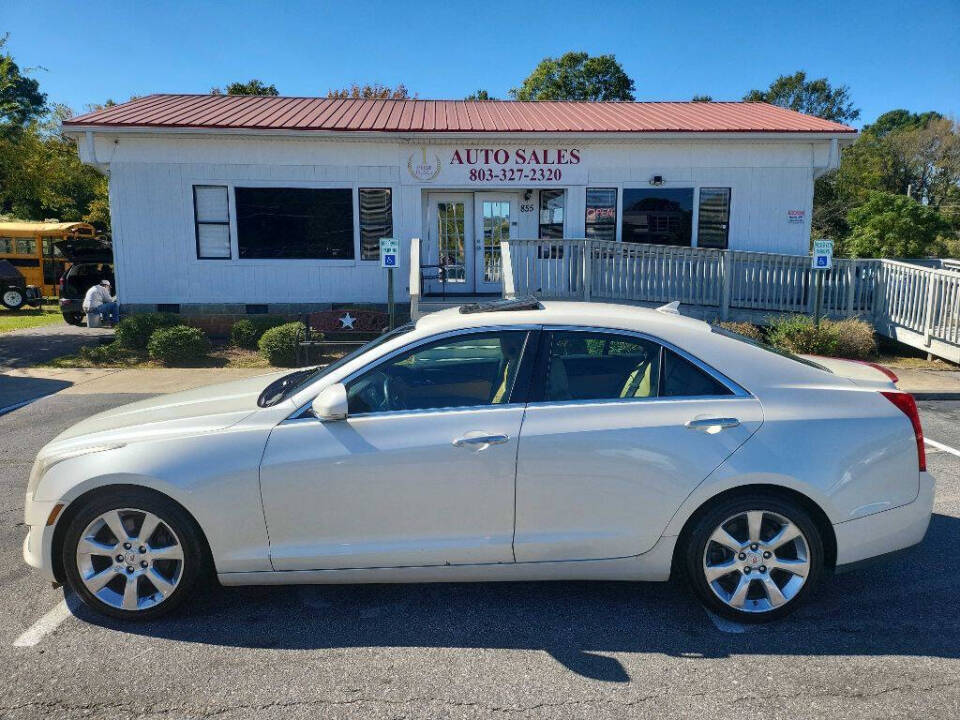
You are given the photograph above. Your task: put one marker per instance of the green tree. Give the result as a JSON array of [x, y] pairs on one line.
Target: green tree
[[895, 226], [20, 98], [251, 87], [900, 119], [701, 98], [376, 91], [479, 95], [813, 97], [576, 76]]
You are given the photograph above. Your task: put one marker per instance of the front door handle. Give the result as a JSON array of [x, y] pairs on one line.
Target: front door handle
[[480, 440], [712, 425]]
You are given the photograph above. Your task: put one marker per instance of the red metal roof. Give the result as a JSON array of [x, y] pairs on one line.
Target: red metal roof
[[473, 116]]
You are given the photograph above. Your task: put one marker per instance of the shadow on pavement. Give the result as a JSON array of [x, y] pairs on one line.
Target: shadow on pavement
[[14, 390], [905, 606]]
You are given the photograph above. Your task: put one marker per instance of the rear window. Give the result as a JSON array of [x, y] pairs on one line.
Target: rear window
[[765, 346]]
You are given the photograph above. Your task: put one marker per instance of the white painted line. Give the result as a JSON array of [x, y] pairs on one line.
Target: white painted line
[[941, 446], [11, 408], [48, 623], [724, 625]]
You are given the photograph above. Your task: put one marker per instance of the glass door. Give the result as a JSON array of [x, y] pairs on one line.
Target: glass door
[[496, 223], [450, 228]]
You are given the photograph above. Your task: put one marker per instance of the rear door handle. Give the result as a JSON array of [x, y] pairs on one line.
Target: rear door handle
[[480, 440], [712, 425]]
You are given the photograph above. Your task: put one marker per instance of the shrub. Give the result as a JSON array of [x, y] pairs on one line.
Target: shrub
[[754, 332], [851, 338], [178, 344], [279, 344], [246, 333], [111, 354], [134, 332]]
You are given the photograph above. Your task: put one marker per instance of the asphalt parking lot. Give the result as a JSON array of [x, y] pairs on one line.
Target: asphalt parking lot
[[879, 642]]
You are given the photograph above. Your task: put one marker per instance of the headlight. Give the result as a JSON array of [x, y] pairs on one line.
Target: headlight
[[45, 462]]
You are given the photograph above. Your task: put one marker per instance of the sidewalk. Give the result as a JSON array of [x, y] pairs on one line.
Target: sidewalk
[[929, 384]]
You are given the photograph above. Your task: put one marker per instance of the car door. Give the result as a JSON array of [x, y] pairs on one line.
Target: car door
[[621, 429], [422, 470]]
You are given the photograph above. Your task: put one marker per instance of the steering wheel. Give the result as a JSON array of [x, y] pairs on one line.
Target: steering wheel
[[392, 398]]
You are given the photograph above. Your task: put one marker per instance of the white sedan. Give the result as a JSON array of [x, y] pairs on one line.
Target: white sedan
[[511, 441]]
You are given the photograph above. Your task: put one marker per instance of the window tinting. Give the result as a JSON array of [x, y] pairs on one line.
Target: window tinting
[[681, 378], [376, 220], [662, 216], [713, 219], [600, 366], [551, 214], [294, 223], [211, 206], [601, 218], [462, 371]]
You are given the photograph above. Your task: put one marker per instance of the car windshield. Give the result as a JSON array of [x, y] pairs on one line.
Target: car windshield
[[284, 387], [764, 346]]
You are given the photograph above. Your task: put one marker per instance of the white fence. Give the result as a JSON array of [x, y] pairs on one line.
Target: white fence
[[915, 304]]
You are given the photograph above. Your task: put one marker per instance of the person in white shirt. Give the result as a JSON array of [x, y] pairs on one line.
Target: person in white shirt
[[98, 298]]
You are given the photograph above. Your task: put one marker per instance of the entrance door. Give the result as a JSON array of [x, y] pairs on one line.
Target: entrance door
[[450, 229], [496, 222]]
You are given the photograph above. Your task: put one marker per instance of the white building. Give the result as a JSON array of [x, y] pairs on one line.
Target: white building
[[219, 203]]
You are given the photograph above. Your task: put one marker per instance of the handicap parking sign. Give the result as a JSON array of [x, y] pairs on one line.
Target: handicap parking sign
[[822, 254], [389, 252]]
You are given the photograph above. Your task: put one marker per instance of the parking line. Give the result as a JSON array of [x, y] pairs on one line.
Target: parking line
[[724, 625], [941, 446], [48, 623]]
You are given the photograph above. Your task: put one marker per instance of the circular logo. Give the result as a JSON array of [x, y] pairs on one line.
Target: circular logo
[[422, 167]]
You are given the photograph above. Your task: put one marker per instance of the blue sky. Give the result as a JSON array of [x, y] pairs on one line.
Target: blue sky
[[891, 54]]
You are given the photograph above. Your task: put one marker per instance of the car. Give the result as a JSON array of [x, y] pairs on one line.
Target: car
[[14, 291], [513, 440], [91, 261]]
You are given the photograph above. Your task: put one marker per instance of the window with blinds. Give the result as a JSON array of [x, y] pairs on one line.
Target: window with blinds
[[376, 220], [211, 205], [713, 223]]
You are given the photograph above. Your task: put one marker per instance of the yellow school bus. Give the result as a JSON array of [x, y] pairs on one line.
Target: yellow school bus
[[29, 246]]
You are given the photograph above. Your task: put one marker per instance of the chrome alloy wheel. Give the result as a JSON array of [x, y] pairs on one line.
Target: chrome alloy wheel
[[130, 559], [756, 561]]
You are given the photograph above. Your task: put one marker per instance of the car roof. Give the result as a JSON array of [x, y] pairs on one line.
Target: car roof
[[557, 312]]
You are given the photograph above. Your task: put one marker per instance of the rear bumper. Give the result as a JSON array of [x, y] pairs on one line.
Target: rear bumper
[[885, 532]]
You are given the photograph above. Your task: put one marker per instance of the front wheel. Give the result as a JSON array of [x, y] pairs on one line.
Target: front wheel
[[754, 558], [12, 299], [132, 554]]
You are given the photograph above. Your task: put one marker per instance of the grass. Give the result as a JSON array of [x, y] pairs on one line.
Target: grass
[[28, 317]]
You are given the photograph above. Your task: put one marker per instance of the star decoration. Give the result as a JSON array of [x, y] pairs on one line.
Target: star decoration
[[347, 321]]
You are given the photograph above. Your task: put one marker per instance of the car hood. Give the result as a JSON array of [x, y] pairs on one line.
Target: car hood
[[203, 409]]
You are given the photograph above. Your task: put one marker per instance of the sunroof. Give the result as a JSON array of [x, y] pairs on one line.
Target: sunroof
[[520, 303]]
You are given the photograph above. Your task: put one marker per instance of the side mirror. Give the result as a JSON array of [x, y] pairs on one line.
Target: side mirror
[[331, 403]]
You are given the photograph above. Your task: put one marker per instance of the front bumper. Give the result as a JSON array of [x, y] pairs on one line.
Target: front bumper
[[888, 531], [38, 544]]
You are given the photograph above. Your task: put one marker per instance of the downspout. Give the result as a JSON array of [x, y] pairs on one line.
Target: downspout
[[91, 153], [833, 160]]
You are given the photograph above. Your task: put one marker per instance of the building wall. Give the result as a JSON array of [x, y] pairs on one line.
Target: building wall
[[151, 179]]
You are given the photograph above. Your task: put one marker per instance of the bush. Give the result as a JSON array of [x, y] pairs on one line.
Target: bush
[[134, 332], [851, 338], [246, 333], [754, 332], [111, 354], [178, 344], [279, 344]]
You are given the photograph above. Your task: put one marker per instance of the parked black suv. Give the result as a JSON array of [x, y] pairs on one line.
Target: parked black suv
[[92, 261]]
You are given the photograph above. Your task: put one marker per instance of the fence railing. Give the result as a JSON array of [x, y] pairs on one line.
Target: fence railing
[[899, 298]]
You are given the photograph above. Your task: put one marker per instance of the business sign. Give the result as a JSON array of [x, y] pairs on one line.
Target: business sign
[[795, 217], [822, 255], [494, 165], [389, 253]]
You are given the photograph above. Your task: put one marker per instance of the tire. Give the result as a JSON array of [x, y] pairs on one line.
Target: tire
[[74, 318], [161, 567], [12, 298], [726, 537]]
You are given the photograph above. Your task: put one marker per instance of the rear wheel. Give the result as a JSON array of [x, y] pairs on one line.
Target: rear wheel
[[754, 558], [132, 554], [12, 298], [74, 318]]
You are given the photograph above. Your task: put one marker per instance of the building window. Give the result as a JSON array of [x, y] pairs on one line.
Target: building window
[[376, 220], [551, 214], [662, 216], [713, 222], [601, 219], [211, 208], [295, 223]]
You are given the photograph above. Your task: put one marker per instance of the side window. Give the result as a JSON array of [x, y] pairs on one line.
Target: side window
[[462, 371], [682, 378], [600, 366]]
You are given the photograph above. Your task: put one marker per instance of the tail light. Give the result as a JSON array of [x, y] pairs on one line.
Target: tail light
[[908, 406]]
